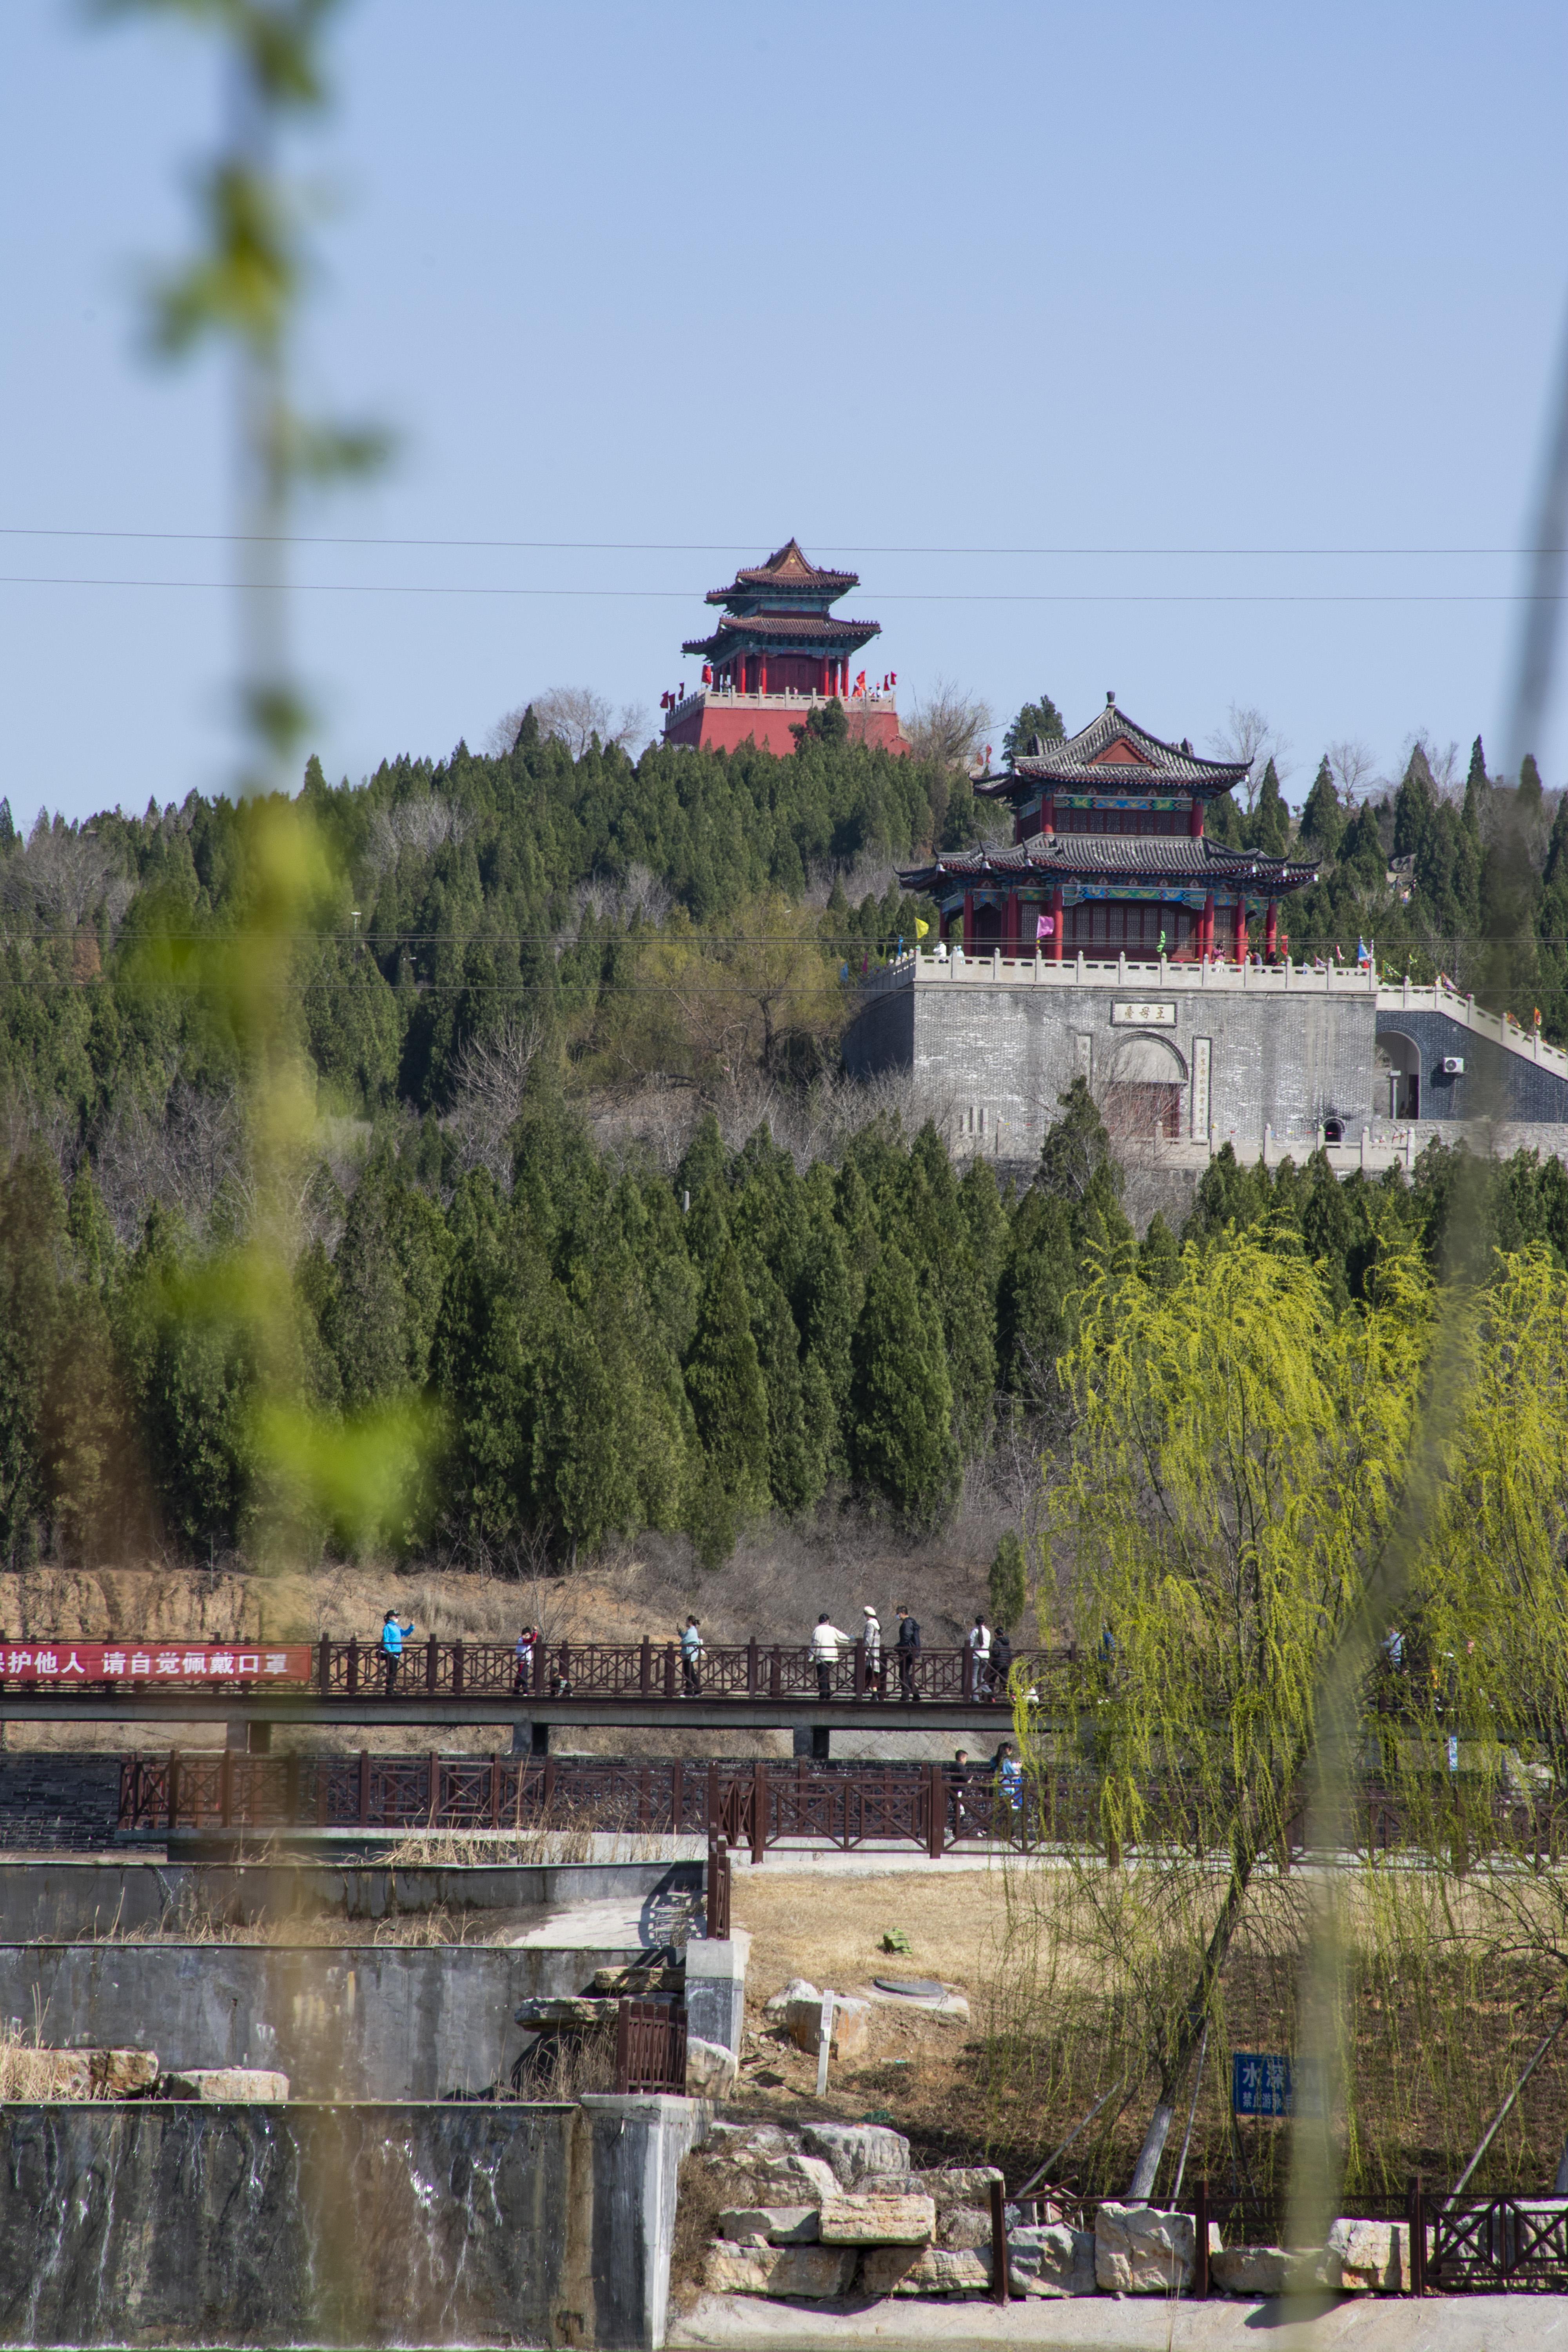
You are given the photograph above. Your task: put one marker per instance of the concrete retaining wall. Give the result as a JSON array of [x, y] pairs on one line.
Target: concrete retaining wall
[[72, 1899], [1274, 1060], [354, 2225], [373, 2022]]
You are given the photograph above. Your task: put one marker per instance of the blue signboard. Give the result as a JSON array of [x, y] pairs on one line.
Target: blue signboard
[[1265, 2084]]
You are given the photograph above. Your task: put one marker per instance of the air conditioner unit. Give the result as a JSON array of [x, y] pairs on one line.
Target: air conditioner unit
[[1453, 1065]]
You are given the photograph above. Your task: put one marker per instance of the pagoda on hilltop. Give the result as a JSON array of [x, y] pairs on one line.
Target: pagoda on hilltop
[[1108, 856], [777, 651]]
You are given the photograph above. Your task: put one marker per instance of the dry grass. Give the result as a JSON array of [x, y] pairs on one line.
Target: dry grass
[[830, 1929]]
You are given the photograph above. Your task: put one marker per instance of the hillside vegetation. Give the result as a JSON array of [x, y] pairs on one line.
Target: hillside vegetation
[[569, 1335]]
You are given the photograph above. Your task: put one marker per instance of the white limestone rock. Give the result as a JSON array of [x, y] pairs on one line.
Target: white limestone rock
[[814, 2274], [1138, 2250], [1051, 2258], [856, 2150], [793, 2179], [923, 2270], [229, 2086], [772, 2225], [964, 2225], [870, 2218], [710, 2069], [958, 2184], [1373, 2257], [851, 2025], [777, 2009]]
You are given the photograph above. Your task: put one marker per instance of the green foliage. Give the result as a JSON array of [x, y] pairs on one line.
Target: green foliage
[[1008, 1584], [1039, 718], [1323, 819], [903, 1445]]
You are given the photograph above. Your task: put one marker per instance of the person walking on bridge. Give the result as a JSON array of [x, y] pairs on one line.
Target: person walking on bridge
[[392, 1637], [826, 1640], [875, 1670], [691, 1659], [908, 1648]]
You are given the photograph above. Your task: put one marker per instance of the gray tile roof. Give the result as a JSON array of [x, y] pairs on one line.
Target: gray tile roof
[[1077, 763], [1103, 856], [814, 628]]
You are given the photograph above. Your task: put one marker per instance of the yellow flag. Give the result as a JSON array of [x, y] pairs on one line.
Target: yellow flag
[[921, 928]]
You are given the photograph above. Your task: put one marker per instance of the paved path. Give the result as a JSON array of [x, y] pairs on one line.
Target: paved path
[[1515, 2323]]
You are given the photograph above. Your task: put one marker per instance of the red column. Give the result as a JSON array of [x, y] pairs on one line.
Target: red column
[[1058, 923], [1195, 818], [1048, 817], [1271, 931], [1240, 929], [1205, 930], [762, 674]]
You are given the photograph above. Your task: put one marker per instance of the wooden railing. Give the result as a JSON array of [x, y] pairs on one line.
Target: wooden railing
[[651, 2046], [576, 1670]]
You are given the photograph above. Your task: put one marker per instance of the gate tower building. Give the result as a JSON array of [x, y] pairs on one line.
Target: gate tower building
[[777, 649], [1109, 856]]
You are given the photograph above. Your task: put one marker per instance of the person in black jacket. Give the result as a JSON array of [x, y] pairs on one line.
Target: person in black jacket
[[909, 1649], [1000, 1663]]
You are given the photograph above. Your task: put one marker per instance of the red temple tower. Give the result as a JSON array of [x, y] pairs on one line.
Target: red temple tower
[[777, 649], [1109, 857]]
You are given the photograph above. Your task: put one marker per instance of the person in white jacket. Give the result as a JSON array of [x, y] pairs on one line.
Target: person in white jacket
[[826, 1640], [872, 1636]]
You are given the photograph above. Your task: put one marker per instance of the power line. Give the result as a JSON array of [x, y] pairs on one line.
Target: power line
[[679, 596], [681, 547]]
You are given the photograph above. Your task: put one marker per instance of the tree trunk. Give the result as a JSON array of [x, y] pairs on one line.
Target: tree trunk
[[1141, 2188], [1173, 2065]]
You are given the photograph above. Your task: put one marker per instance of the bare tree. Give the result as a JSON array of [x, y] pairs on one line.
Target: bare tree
[[639, 891], [949, 725], [62, 875], [1247, 735], [1353, 766], [571, 714], [422, 824], [491, 1082], [182, 1158]]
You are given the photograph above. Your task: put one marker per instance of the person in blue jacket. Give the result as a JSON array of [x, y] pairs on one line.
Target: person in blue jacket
[[392, 1637]]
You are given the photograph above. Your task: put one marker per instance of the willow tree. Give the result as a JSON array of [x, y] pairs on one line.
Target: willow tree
[[1235, 1461]]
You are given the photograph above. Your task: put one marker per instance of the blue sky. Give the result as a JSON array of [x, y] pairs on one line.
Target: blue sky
[[900, 277]]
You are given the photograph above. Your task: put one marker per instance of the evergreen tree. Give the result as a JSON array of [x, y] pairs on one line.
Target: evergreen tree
[[1039, 718], [729, 1404], [1529, 793], [1268, 827], [1323, 819], [902, 1444], [1008, 1584], [1413, 805]]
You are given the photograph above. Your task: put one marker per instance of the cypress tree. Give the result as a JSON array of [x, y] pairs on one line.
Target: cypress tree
[[1008, 1584], [1529, 783], [1323, 819], [729, 1404], [1413, 805], [1476, 787], [903, 1443], [1268, 827]]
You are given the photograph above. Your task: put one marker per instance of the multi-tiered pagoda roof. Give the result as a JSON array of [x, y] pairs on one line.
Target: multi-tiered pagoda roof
[[1109, 851], [782, 606], [776, 650]]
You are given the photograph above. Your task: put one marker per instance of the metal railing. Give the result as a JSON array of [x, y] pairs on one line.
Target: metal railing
[[611, 1671]]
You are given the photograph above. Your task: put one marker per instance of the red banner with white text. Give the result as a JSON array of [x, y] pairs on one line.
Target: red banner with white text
[[154, 1662]]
